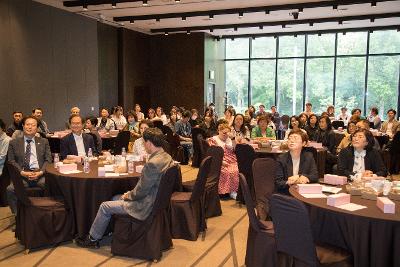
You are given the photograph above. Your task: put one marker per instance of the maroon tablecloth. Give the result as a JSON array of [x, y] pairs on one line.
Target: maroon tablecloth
[[370, 235], [84, 192]]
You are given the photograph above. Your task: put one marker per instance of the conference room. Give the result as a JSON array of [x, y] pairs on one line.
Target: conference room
[[199, 133]]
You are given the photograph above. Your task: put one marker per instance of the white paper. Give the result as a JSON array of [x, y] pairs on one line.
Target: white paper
[[314, 195], [71, 172], [331, 189], [123, 173], [112, 174], [109, 168], [351, 207]]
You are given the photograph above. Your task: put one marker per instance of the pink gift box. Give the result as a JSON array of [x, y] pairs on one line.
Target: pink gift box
[[254, 146], [315, 144], [335, 179], [101, 171], [309, 188], [67, 167], [385, 204], [139, 168], [338, 199]]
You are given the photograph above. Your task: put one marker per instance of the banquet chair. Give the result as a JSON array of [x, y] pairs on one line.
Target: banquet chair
[[122, 140], [395, 154], [158, 124], [41, 221], [293, 235], [245, 156], [264, 170], [147, 239], [187, 208], [211, 198], [337, 124], [197, 135], [260, 249]]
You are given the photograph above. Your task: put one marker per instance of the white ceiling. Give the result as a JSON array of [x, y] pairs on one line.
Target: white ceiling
[[106, 13]]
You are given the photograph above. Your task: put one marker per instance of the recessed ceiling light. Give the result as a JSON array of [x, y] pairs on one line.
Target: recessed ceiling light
[[166, 33], [211, 17], [240, 15], [145, 3]]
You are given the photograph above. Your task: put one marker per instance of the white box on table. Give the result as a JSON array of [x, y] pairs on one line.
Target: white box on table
[[309, 188], [385, 204], [335, 179], [338, 199], [139, 168], [67, 167]]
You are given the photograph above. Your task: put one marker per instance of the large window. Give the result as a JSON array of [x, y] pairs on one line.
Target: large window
[[355, 69]]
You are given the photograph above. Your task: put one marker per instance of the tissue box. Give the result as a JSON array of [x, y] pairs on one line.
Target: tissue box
[[385, 204], [338, 199], [335, 179], [101, 171], [139, 168], [309, 188], [315, 144], [67, 167]]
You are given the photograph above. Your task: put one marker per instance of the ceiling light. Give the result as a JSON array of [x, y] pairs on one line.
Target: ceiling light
[[114, 5], [373, 3], [183, 18], [132, 21], [240, 15], [177, 1], [145, 3], [85, 7], [211, 17], [166, 33], [188, 32]]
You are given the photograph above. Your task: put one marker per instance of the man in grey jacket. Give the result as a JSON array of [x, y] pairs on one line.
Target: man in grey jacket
[[138, 202]]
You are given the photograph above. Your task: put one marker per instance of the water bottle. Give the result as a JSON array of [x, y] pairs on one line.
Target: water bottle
[[86, 165], [131, 167], [123, 153], [90, 153], [56, 159]]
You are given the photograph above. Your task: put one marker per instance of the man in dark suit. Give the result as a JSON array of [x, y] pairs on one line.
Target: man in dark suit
[[138, 202], [76, 143], [30, 155]]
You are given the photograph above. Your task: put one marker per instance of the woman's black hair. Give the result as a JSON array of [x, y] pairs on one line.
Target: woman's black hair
[[328, 122], [290, 121], [370, 138], [309, 119], [243, 126]]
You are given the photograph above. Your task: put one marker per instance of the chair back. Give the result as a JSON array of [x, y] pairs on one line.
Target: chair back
[[199, 185], [19, 187], [395, 148], [313, 151], [158, 124], [165, 189], [203, 145], [264, 170], [254, 222], [292, 228], [198, 134], [166, 130], [122, 140], [338, 138], [95, 141], [216, 153], [245, 156], [337, 124]]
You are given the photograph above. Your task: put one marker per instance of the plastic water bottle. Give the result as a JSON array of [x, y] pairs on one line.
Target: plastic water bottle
[[90, 153], [123, 153], [56, 159], [86, 165], [131, 167]]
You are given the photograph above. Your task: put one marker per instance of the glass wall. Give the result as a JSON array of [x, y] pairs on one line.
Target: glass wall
[[355, 69]]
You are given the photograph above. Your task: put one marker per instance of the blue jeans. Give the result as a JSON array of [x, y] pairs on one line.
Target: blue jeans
[[104, 214]]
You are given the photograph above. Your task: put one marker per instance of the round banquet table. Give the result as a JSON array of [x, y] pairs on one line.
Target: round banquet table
[[372, 236], [321, 157], [84, 192], [108, 142]]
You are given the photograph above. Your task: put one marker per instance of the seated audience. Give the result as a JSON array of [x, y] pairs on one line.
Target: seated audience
[[30, 155], [161, 115], [325, 134], [251, 111], [184, 130], [4, 141], [228, 116], [139, 113], [343, 116], [77, 142], [361, 159], [138, 202], [391, 126], [364, 124], [229, 177], [212, 113], [261, 111], [294, 125], [151, 114], [331, 112], [138, 146], [118, 118], [357, 113], [308, 110], [194, 119], [276, 119], [303, 120], [16, 125], [374, 118], [104, 123], [312, 126], [262, 131], [295, 166], [271, 124], [42, 125], [73, 111], [172, 121], [208, 125], [239, 132], [132, 127], [90, 128], [346, 141]]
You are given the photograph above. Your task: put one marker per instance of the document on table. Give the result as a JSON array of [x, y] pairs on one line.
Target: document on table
[[71, 172], [109, 168], [351, 207], [331, 189], [314, 195], [111, 174]]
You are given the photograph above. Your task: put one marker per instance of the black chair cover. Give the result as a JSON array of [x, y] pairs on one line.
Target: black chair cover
[[121, 141], [197, 135], [337, 124], [245, 156]]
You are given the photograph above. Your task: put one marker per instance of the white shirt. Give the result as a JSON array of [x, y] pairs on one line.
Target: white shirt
[[33, 162], [119, 122], [138, 147], [296, 166], [359, 164], [79, 145], [389, 129]]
